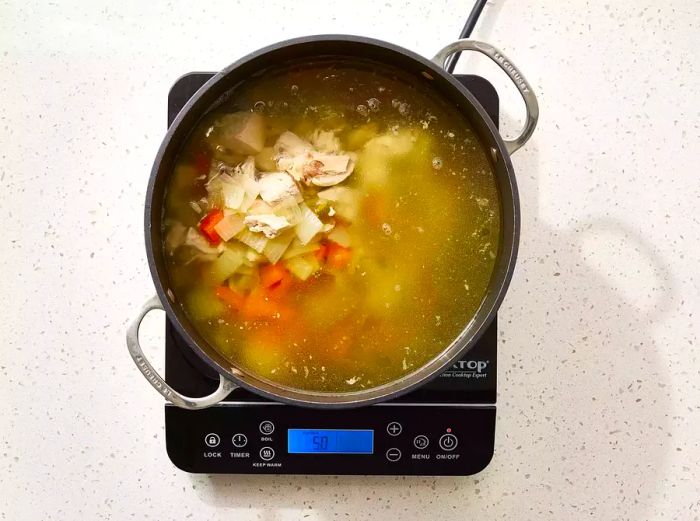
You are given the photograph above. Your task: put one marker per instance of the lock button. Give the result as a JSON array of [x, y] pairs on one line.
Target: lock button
[[212, 440]]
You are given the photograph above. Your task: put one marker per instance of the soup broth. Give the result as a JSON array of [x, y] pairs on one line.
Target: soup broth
[[331, 228]]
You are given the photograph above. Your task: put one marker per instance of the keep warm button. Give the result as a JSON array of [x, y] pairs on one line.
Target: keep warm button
[[448, 442]]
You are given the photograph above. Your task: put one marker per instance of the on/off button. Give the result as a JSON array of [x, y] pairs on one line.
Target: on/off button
[[448, 442]]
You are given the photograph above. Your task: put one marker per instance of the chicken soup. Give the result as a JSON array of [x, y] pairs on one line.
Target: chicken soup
[[331, 228]]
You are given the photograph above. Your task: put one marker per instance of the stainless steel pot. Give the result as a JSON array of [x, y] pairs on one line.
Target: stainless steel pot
[[426, 71]]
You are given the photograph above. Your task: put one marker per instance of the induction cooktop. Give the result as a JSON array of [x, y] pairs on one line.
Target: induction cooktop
[[446, 427]]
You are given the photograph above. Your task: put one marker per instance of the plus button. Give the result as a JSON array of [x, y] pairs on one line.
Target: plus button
[[394, 428]]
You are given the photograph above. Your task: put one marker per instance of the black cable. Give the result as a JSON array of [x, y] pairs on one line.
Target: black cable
[[466, 31]]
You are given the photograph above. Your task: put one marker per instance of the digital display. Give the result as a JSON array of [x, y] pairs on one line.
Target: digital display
[[330, 441]]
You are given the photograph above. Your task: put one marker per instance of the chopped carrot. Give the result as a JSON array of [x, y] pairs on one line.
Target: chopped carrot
[[258, 305], [275, 278], [230, 297], [207, 224], [338, 256]]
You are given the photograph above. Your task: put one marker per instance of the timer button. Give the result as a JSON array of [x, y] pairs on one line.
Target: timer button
[[267, 427], [212, 440], [448, 442], [394, 428], [393, 454], [239, 440], [421, 441], [267, 453]]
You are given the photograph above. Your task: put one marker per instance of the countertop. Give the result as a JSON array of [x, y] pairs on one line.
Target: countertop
[[599, 373]]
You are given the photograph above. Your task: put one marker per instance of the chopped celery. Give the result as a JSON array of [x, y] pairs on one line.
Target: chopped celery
[[257, 241], [225, 265], [309, 226], [296, 249], [247, 268], [248, 201], [340, 235], [215, 194], [303, 267], [293, 214], [259, 206], [252, 257], [232, 192], [245, 175], [275, 248]]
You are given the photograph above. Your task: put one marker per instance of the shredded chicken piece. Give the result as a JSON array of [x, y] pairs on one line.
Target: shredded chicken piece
[[299, 158], [279, 189], [289, 144], [269, 224], [325, 141]]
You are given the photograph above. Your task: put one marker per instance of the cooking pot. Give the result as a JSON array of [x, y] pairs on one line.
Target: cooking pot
[[425, 71]]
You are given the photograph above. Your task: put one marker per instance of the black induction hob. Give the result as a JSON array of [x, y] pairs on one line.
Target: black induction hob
[[445, 427]]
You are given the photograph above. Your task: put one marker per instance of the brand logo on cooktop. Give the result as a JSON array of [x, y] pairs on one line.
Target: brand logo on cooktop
[[468, 369], [471, 365]]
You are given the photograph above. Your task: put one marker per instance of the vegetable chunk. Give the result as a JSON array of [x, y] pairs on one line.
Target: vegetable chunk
[[243, 132]]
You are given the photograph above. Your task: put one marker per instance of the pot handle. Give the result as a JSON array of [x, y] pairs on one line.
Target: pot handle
[[170, 394], [532, 110]]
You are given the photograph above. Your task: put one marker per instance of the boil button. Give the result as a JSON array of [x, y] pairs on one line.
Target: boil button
[[267, 427]]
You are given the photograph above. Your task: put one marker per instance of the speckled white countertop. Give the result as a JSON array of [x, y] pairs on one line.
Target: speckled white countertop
[[599, 391]]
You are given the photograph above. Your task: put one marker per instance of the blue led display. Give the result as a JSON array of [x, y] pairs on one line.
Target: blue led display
[[330, 441]]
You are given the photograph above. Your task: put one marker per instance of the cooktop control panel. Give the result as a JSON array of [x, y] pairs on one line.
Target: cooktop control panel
[[270, 438]]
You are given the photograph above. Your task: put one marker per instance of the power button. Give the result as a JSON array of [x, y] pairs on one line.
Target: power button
[[448, 442]]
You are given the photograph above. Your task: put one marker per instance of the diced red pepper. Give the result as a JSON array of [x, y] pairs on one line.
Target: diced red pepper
[[206, 226]]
